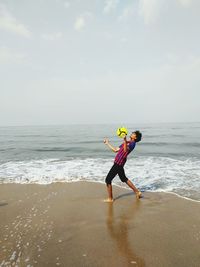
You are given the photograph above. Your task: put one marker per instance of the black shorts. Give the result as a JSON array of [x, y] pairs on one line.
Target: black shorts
[[116, 169]]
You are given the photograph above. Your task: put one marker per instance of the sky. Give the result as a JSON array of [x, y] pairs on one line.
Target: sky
[[99, 61]]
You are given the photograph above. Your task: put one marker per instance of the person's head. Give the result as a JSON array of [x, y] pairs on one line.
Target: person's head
[[136, 136]]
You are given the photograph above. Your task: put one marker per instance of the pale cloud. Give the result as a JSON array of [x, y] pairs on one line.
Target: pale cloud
[[79, 23], [10, 23], [126, 13], [150, 10], [110, 5], [108, 35], [172, 58], [8, 56], [67, 4], [124, 40], [185, 3], [88, 15], [52, 36]]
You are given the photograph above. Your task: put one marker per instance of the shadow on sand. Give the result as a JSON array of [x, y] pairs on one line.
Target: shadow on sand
[[3, 204], [124, 195]]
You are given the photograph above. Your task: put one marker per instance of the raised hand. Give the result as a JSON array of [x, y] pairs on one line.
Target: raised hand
[[106, 141]]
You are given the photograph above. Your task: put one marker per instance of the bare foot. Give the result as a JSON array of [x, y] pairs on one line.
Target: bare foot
[[108, 200], [138, 195]]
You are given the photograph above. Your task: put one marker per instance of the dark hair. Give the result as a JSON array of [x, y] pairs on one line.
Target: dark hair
[[138, 136]]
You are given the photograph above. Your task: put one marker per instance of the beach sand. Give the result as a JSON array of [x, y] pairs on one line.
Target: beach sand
[[68, 224]]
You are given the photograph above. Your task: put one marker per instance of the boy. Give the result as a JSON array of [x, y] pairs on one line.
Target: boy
[[118, 168]]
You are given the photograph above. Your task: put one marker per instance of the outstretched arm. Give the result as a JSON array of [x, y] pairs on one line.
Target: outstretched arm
[[114, 149]]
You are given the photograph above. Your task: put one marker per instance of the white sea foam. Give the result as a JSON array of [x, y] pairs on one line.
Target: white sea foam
[[181, 176]]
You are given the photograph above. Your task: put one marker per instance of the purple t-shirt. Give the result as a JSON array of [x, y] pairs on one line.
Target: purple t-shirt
[[121, 156]]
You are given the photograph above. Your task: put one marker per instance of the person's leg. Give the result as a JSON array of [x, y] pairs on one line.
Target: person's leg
[[110, 194], [124, 179], [112, 173], [132, 186]]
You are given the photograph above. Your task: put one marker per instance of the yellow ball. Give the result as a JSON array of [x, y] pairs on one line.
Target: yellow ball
[[122, 132]]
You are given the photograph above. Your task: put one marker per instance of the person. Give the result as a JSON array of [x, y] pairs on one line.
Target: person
[[118, 167]]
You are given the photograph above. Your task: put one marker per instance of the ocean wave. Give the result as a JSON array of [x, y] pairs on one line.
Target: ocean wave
[[73, 150], [90, 142], [156, 144], [48, 149], [181, 176], [189, 144], [150, 136]]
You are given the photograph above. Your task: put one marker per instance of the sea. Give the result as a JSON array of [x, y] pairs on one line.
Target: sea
[[166, 160]]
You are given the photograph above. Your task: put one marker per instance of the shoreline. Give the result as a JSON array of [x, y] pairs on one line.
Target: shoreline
[[68, 224], [99, 182]]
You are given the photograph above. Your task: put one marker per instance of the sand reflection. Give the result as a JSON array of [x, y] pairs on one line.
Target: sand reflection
[[119, 227]]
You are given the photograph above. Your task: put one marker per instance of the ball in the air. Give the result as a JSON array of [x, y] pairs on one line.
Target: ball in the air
[[122, 132]]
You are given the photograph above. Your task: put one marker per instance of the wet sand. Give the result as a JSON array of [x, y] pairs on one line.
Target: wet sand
[[68, 224]]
